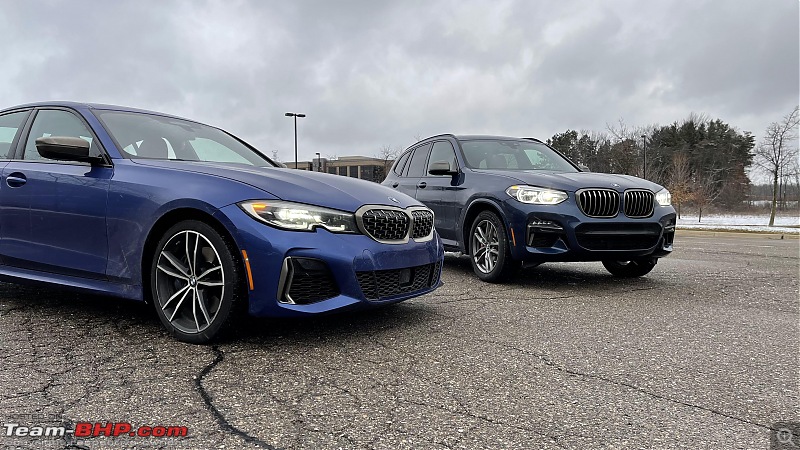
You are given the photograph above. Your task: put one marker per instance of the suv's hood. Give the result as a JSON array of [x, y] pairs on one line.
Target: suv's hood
[[574, 181], [313, 188]]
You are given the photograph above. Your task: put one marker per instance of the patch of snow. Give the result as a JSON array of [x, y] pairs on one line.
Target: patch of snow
[[750, 220], [745, 228]]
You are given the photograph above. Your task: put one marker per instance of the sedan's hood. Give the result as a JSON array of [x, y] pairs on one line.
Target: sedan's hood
[[313, 188], [574, 181]]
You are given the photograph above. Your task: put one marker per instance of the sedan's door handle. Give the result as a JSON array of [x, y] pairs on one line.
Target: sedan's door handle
[[16, 179], [395, 184], [422, 185]]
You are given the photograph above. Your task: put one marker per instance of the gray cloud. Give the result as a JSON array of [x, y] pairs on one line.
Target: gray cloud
[[370, 74]]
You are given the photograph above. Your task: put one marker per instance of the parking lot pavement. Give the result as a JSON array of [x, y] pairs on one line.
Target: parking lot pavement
[[702, 353]]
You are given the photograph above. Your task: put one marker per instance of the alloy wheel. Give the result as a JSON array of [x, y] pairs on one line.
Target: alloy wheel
[[190, 281], [485, 246]]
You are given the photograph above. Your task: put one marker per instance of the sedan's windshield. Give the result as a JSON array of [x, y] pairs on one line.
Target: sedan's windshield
[[150, 136], [513, 155]]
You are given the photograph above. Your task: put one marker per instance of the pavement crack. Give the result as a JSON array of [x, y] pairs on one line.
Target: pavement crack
[[550, 363], [467, 413], [220, 418]]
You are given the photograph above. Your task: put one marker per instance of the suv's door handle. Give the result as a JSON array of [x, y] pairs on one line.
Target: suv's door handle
[[422, 185], [395, 184], [16, 179]]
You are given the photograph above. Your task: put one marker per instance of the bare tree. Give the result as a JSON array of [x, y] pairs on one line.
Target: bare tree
[[777, 151], [630, 158], [680, 180], [705, 190], [388, 155]]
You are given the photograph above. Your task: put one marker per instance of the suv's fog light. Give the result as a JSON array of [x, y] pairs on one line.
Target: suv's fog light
[[544, 225]]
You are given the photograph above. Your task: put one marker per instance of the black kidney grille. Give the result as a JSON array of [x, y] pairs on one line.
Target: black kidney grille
[[386, 224], [423, 223], [599, 202], [639, 203], [382, 284]]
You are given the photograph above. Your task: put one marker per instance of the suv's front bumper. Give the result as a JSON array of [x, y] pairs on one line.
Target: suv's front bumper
[[563, 233]]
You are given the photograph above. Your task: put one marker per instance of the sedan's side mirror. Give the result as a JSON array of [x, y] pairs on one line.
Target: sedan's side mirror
[[584, 168], [441, 168], [65, 148]]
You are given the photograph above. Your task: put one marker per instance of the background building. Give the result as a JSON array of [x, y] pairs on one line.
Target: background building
[[363, 167]]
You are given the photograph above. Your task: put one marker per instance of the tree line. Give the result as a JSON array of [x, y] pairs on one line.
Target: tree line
[[700, 160]]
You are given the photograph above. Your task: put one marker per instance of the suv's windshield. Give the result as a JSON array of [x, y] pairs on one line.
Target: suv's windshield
[[513, 155], [149, 136]]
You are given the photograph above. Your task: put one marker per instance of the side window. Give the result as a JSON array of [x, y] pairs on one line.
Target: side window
[[9, 127], [401, 163], [442, 151], [416, 167], [49, 122]]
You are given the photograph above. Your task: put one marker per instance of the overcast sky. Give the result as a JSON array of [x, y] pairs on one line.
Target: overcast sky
[[372, 73]]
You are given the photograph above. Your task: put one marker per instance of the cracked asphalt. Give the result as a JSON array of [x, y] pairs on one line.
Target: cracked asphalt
[[701, 353]]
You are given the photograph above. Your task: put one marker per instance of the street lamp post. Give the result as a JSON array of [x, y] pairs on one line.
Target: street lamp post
[[319, 162], [644, 164], [295, 115]]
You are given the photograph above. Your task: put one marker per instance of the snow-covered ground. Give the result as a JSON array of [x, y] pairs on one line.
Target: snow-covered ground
[[787, 224]]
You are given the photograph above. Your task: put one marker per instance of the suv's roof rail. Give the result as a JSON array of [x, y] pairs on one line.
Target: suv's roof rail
[[430, 137], [534, 139]]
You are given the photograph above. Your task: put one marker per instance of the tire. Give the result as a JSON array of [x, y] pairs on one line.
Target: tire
[[494, 265], [630, 269], [195, 282]]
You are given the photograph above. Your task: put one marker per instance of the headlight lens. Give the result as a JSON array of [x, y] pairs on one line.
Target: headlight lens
[[536, 195], [300, 217], [664, 198]]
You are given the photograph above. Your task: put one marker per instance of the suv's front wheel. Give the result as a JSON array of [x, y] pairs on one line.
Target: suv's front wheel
[[488, 248]]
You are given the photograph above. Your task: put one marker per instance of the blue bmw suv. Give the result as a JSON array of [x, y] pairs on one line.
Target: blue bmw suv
[[508, 202]]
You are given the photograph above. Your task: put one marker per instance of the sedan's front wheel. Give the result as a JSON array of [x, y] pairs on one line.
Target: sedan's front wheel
[[630, 269], [194, 282]]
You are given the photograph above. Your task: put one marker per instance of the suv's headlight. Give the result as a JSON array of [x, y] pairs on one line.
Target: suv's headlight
[[536, 195], [664, 198], [300, 217]]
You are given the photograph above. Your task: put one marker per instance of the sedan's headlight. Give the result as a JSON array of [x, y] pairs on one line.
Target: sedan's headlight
[[664, 198], [536, 195], [300, 217]]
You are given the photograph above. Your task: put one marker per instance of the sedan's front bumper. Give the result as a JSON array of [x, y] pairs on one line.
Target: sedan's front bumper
[[563, 233], [290, 270]]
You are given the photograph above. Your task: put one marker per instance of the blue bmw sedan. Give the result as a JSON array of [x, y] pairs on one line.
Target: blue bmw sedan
[[510, 201], [152, 207]]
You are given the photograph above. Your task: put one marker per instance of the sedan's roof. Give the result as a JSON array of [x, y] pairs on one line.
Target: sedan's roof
[[99, 106]]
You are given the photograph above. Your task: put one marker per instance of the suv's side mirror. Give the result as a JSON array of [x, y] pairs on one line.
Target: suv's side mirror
[[441, 168], [584, 168], [64, 148]]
